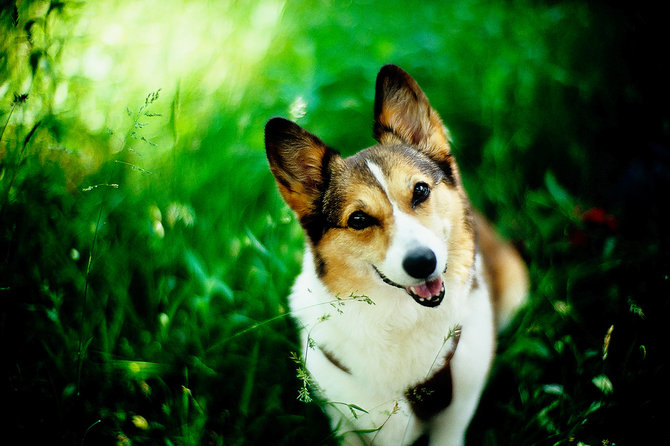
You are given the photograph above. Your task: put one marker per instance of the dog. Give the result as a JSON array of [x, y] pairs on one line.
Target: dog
[[403, 284]]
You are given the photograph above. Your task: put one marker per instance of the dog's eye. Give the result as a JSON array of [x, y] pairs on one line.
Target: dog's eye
[[421, 193], [360, 220]]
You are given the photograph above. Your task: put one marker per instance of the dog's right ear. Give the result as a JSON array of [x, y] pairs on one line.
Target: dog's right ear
[[300, 163]]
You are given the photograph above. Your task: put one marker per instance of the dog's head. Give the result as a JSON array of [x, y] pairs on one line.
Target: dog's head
[[394, 215]]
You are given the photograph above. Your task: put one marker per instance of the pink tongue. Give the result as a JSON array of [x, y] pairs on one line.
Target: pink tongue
[[428, 289]]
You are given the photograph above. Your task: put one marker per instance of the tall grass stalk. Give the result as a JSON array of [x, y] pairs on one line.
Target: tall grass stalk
[[89, 263]]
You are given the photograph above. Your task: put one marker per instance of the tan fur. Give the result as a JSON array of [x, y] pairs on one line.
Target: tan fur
[[504, 269], [346, 253]]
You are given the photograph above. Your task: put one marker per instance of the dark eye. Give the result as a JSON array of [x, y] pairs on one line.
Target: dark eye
[[360, 220], [421, 193]]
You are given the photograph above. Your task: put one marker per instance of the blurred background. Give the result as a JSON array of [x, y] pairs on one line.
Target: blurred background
[[145, 255]]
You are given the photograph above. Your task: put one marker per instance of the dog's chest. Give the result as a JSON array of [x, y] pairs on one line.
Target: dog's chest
[[387, 354]]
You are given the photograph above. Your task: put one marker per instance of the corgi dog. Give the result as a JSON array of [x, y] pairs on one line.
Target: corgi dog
[[403, 285]]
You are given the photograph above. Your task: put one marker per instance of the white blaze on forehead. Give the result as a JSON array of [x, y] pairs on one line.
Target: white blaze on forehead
[[381, 179]]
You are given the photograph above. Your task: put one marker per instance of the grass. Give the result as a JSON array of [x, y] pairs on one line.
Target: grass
[[145, 256]]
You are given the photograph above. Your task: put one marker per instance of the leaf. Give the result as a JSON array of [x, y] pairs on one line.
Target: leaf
[[564, 200], [366, 431], [353, 408], [553, 389], [603, 383], [594, 407]]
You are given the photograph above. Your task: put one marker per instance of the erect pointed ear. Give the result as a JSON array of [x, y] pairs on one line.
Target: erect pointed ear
[[403, 114], [300, 162]]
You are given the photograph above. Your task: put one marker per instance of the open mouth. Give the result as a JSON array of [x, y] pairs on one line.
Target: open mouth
[[429, 294]]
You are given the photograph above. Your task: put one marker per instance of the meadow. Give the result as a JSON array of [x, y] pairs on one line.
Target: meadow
[[145, 253]]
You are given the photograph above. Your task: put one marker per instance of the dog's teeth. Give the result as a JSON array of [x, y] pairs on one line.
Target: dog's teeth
[[416, 293]]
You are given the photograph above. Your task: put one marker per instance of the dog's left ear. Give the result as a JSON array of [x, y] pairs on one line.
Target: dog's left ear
[[403, 114]]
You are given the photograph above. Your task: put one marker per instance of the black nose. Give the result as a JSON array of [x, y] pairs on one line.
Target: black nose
[[420, 263]]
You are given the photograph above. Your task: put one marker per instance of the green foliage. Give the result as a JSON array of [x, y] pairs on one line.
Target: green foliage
[[145, 255]]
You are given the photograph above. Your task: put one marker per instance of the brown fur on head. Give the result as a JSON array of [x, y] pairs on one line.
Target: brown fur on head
[[326, 190]]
